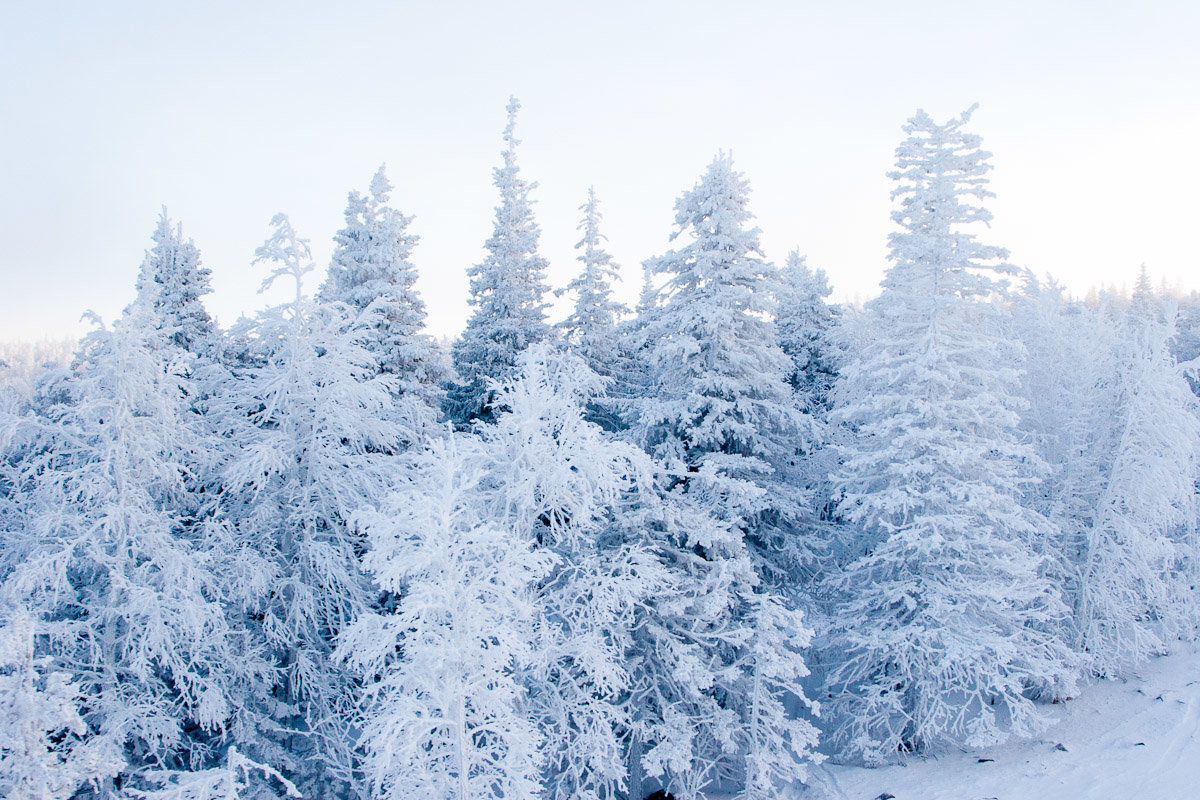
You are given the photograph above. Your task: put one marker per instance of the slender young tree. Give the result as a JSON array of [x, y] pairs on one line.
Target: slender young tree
[[371, 271], [591, 329], [508, 290], [945, 620]]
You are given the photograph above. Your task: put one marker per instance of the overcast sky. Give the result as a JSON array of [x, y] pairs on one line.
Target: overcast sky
[[227, 112]]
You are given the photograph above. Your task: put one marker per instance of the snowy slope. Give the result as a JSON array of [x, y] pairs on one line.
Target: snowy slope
[[1124, 740]]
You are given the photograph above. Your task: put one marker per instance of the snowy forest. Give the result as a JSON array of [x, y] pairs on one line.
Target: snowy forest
[[691, 548]]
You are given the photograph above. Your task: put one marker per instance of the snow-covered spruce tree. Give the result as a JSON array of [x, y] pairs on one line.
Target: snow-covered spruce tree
[[239, 778], [1137, 568], [174, 281], [308, 428], [642, 646], [128, 598], [544, 479], [718, 402], [717, 659], [649, 650], [170, 286], [371, 270], [810, 334], [444, 706], [944, 624], [805, 322], [1109, 411], [561, 483], [1143, 302], [508, 290], [591, 329]]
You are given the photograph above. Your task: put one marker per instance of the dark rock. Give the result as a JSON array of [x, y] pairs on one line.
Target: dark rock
[[1060, 747], [985, 760]]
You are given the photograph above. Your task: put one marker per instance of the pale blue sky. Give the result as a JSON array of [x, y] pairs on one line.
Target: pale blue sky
[[227, 112]]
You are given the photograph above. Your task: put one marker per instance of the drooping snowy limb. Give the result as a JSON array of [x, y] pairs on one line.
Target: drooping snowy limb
[[508, 290], [945, 621], [371, 272], [237, 779]]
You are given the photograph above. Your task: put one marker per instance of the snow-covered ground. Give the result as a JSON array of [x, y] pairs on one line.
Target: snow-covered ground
[[1137, 739]]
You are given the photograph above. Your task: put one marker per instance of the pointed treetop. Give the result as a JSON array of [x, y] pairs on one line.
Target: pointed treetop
[[1143, 302], [648, 296], [170, 285], [590, 224], [941, 181], [510, 138], [381, 187], [718, 205]]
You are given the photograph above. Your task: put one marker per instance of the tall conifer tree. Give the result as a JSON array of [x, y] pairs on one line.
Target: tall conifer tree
[[371, 269], [508, 290], [718, 402], [944, 621]]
